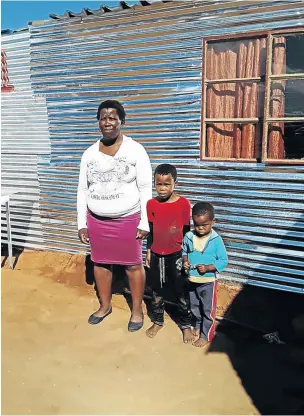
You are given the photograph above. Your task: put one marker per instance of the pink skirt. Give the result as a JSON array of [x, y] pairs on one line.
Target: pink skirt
[[113, 240]]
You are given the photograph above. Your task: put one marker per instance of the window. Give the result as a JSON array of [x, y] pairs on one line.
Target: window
[[252, 99], [5, 87]]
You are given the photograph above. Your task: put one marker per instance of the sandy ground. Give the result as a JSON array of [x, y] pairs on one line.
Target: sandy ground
[[53, 362]]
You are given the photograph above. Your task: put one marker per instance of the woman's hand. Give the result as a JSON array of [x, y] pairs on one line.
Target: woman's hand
[[148, 258], [141, 234], [83, 235]]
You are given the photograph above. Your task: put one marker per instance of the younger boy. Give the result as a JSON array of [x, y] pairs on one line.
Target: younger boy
[[204, 254], [169, 219]]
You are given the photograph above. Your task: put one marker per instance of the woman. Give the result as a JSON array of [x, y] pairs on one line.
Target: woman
[[115, 183]]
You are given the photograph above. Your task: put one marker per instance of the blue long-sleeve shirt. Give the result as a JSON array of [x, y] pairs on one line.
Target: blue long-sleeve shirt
[[214, 253]]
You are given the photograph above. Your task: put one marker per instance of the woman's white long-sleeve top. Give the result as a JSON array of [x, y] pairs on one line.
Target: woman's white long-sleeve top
[[115, 186]]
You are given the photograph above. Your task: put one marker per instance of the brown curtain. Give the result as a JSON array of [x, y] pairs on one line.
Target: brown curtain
[[5, 87], [237, 59], [277, 101], [4, 72]]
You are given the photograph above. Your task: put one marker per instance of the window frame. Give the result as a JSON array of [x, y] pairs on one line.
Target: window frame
[[269, 77]]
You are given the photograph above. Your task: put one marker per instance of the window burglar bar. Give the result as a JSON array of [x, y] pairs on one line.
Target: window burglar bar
[[252, 120], [267, 80], [254, 79], [267, 119]]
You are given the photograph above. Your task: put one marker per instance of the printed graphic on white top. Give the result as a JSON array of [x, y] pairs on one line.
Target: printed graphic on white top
[[106, 179]]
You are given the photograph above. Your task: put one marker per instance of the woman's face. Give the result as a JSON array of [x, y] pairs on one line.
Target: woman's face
[[109, 123]]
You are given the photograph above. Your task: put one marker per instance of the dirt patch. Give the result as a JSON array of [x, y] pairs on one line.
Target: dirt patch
[[53, 362], [226, 293]]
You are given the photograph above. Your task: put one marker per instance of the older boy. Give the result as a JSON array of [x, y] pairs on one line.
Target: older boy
[[169, 220]]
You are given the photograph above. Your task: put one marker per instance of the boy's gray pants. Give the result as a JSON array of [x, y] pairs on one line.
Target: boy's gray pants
[[203, 307]]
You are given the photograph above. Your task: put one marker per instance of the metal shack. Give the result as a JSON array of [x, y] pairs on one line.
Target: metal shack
[[214, 87], [24, 139]]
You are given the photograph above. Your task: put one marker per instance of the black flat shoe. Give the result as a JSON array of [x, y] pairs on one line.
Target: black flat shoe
[[94, 320], [135, 326]]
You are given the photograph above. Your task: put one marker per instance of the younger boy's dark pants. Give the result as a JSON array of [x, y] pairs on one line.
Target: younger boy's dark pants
[[169, 283], [203, 307]]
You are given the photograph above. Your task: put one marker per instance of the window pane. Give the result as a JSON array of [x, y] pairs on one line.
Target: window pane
[[229, 140], [287, 98], [245, 58], [288, 54], [286, 140], [235, 100]]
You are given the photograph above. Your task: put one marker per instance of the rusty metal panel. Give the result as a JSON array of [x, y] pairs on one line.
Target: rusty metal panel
[[25, 138], [149, 58]]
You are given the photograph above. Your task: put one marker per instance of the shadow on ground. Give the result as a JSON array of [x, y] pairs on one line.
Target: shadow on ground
[[119, 281], [271, 370], [272, 373], [17, 251], [120, 286]]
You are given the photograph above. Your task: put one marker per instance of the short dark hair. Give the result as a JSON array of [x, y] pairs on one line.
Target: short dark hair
[[113, 104], [166, 169], [202, 208]]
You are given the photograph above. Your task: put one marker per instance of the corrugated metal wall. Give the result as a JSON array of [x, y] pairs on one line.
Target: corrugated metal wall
[[25, 138], [149, 58]]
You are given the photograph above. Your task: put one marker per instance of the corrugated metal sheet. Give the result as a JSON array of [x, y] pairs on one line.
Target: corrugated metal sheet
[[25, 138], [123, 5], [150, 60]]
